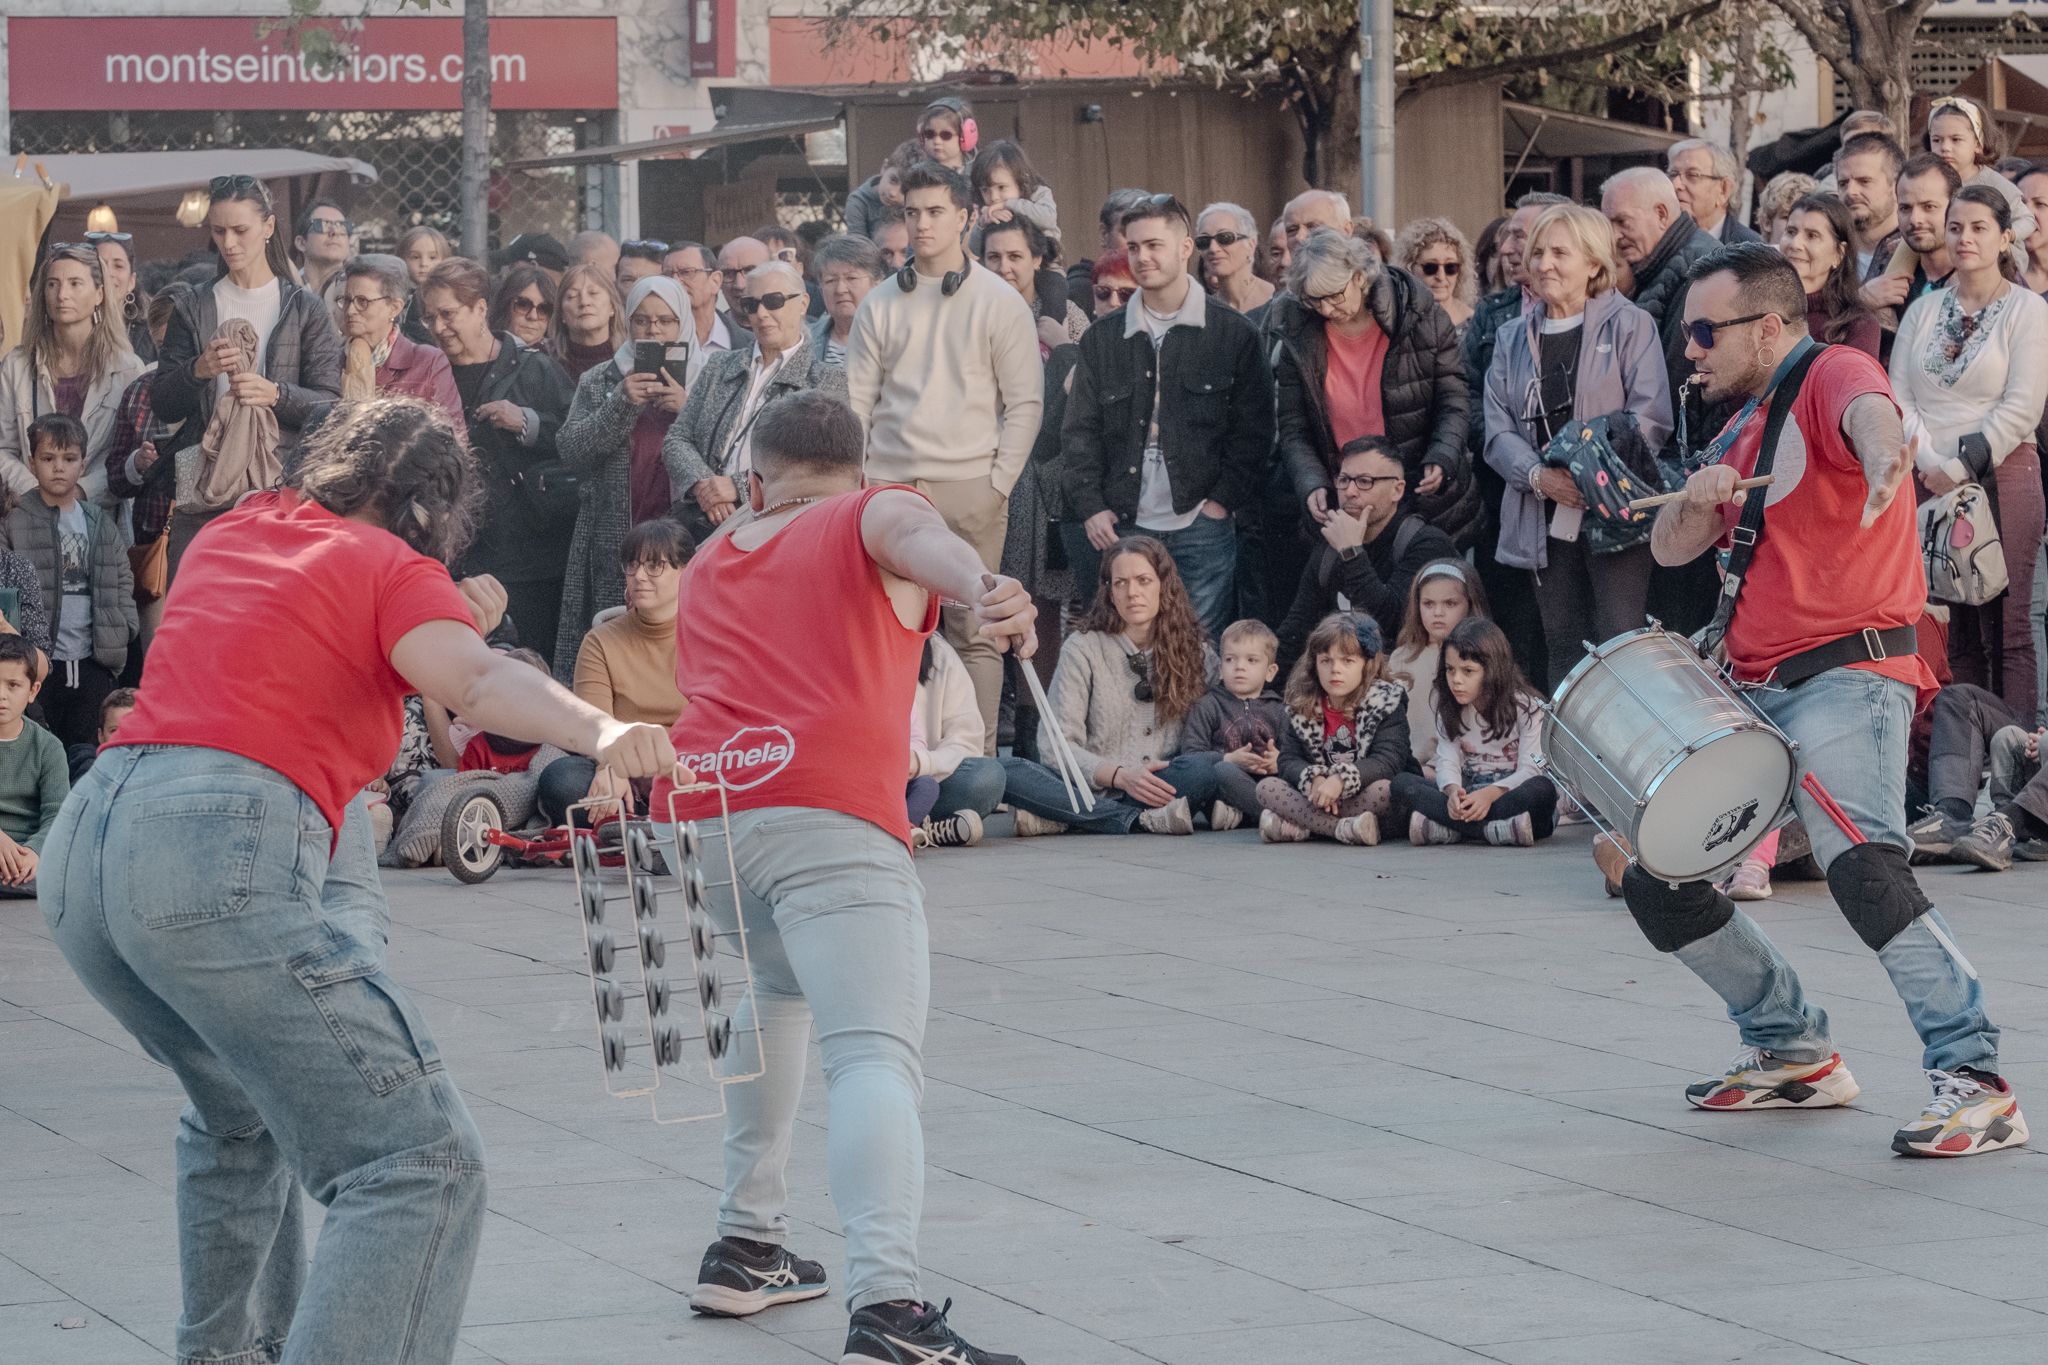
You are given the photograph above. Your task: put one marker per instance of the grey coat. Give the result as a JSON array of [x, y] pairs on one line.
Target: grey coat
[[1621, 368], [303, 358], [32, 533], [695, 448]]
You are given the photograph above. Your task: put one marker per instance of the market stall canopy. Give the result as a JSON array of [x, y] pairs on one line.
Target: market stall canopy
[[681, 144], [1532, 130], [111, 176], [2015, 89]]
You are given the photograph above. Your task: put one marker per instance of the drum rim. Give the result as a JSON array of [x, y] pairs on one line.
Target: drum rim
[[1614, 646]]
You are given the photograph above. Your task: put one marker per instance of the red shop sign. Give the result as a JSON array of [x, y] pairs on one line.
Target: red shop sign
[[227, 63]]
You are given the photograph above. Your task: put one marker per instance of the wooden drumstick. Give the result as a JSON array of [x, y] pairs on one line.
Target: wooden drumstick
[[1639, 504]]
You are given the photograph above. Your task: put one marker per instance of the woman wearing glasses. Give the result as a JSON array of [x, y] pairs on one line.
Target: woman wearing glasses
[[524, 304], [1113, 281], [74, 358], [1435, 252], [590, 319], [1227, 240], [612, 438], [296, 372], [709, 449], [1967, 370], [1133, 667], [378, 360], [1579, 351], [1367, 351], [513, 400]]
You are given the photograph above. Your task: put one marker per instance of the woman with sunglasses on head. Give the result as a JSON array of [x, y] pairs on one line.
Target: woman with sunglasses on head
[[612, 438], [708, 450], [514, 399], [1130, 671], [1968, 372], [297, 368], [1435, 252], [1227, 241], [74, 358], [1578, 351], [524, 304]]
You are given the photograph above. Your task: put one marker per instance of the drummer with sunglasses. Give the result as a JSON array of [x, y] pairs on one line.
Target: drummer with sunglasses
[[1227, 240], [1823, 630]]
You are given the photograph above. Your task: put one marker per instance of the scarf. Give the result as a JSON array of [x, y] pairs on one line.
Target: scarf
[[671, 294], [238, 453], [360, 363]]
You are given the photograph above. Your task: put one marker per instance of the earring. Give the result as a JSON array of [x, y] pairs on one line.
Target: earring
[[95, 317]]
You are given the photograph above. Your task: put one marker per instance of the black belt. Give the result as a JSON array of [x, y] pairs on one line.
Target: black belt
[[1865, 646]]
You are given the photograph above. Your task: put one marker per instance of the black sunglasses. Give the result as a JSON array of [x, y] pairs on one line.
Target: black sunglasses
[[1205, 240], [771, 302], [1434, 268], [1141, 666], [1700, 332], [1107, 293], [221, 186]]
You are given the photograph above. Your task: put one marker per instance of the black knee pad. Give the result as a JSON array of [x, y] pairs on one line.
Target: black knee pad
[[1875, 887], [1673, 916]]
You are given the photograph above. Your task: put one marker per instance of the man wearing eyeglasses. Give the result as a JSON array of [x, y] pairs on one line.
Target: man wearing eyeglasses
[[1169, 425], [1823, 630], [325, 242], [1704, 175], [691, 265]]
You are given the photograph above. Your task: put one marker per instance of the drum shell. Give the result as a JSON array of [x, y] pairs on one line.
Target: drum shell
[[1668, 754]]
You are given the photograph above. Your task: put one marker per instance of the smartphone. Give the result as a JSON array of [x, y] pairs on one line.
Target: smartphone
[[676, 360], [647, 357]]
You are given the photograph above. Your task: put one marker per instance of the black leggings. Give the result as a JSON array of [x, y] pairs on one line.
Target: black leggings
[[71, 698], [1413, 792], [1584, 596]]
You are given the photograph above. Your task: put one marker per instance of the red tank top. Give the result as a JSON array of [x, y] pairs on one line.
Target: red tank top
[[799, 674]]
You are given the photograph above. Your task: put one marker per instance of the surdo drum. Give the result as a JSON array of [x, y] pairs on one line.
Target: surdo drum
[[1661, 749]]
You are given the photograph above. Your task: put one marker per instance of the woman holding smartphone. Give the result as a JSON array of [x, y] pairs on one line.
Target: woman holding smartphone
[[612, 438]]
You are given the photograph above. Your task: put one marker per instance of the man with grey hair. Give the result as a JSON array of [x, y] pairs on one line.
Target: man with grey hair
[[591, 247], [735, 259], [1705, 176], [1661, 243]]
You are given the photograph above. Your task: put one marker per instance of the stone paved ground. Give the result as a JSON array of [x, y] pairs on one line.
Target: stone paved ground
[[1193, 1101]]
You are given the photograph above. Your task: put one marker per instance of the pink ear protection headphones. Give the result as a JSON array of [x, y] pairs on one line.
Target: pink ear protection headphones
[[970, 133]]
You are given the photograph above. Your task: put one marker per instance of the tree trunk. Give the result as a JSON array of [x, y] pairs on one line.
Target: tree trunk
[[476, 129]]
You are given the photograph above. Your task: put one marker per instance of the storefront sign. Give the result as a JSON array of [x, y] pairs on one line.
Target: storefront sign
[[714, 37], [231, 63]]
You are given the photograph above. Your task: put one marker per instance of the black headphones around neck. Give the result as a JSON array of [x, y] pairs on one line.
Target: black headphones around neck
[[906, 278]]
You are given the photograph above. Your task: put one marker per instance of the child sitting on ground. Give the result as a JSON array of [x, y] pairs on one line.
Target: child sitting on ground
[[1240, 720], [1444, 592], [1488, 742], [33, 779], [945, 750], [114, 710], [87, 585], [467, 749], [1346, 739]]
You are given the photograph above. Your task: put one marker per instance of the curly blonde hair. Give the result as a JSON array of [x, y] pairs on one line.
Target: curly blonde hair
[[1424, 233]]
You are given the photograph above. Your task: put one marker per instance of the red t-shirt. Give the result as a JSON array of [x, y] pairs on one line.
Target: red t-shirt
[[482, 756], [1817, 575], [799, 674], [276, 645], [1351, 386]]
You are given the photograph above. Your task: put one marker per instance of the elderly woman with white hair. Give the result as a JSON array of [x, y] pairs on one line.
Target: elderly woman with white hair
[[1227, 238], [1435, 252], [1360, 350], [709, 449], [1578, 352], [846, 266]]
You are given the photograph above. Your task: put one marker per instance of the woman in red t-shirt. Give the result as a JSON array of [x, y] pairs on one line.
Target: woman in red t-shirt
[[212, 882]]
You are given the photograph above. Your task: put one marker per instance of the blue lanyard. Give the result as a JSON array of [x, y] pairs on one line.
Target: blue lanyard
[[1718, 448]]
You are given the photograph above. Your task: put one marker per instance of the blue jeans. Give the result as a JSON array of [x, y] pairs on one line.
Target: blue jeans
[[1853, 729], [1205, 553], [1037, 788], [836, 929], [976, 785], [194, 894]]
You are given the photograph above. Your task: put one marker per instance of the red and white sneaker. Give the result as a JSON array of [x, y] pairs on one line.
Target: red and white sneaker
[[1757, 1080], [1970, 1113]]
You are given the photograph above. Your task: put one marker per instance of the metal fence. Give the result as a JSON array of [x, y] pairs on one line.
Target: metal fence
[[416, 156]]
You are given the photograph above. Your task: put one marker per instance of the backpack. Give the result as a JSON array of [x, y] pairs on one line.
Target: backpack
[[1959, 542]]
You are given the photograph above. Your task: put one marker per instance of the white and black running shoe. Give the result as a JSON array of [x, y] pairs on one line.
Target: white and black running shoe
[[887, 1334], [736, 1280]]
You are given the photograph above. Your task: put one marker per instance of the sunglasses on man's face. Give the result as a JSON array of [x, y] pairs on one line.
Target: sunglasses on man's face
[[772, 302], [1435, 268], [1700, 332], [1205, 240], [333, 227]]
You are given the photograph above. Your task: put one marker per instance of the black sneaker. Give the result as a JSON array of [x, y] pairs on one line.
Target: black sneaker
[[734, 1282], [883, 1334], [1988, 844]]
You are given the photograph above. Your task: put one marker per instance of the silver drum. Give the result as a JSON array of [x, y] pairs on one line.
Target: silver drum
[[1663, 751]]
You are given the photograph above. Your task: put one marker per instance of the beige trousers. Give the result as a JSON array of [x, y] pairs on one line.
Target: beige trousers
[[980, 516]]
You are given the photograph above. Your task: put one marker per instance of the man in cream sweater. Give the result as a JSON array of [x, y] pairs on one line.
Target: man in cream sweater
[[949, 386]]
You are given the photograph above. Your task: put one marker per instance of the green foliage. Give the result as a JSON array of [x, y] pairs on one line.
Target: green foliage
[[324, 42]]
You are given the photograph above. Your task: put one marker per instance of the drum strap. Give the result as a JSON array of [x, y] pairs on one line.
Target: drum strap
[[1744, 537]]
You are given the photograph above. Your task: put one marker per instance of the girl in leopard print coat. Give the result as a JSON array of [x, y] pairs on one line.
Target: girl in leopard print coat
[[1347, 736]]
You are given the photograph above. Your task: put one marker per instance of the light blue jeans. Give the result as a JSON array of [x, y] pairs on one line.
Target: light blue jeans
[[194, 894], [1853, 729], [836, 930]]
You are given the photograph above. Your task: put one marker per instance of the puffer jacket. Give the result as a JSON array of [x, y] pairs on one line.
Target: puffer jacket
[[302, 357], [1422, 393], [1621, 369], [1661, 284], [1377, 747], [32, 533]]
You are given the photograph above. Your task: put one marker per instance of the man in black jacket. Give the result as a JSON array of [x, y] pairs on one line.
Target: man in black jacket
[[1170, 420], [1373, 545]]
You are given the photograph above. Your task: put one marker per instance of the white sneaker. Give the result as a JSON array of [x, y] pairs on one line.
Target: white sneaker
[[1224, 817], [1363, 828], [1030, 826], [1274, 830], [1423, 830], [1172, 818], [1515, 832]]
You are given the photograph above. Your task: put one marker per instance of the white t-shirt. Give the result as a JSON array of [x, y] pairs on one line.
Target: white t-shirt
[[742, 446], [1155, 486], [259, 306]]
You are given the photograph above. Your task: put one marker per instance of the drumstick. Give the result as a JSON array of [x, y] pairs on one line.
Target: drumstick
[[1658, 500], [1079, 796], [1823, 798]]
